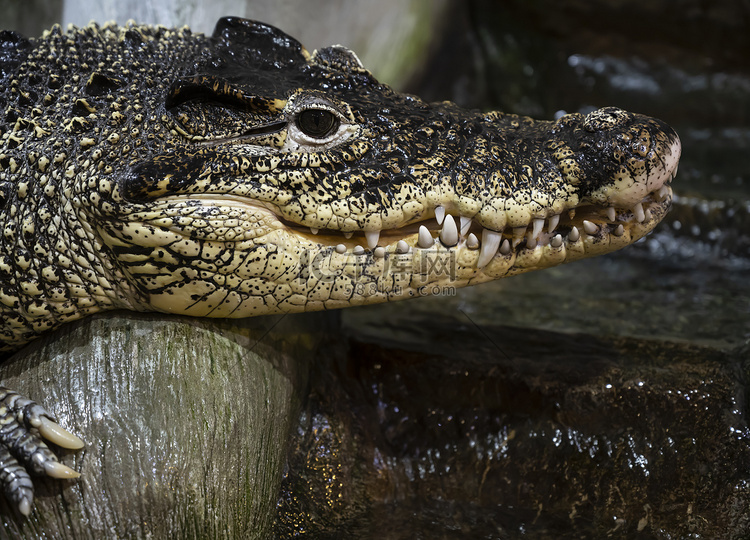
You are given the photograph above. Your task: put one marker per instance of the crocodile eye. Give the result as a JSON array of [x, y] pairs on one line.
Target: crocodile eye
[[317, 123]]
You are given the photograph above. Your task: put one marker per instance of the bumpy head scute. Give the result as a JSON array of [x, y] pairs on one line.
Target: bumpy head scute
[[253, 45], [605, 119]]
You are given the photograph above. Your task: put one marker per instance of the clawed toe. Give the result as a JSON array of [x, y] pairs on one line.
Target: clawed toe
[[53, 432], [23, 426]]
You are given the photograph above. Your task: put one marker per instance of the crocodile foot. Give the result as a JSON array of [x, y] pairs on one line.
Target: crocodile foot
[[23, 426]]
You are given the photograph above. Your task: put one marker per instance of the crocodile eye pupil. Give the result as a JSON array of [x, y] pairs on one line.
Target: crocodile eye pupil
[[317, 123]]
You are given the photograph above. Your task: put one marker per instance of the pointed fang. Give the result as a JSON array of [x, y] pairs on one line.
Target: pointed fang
[[439, 214], [505, 247], [472, 242], [611, 213], [372, 237], [490, 243], [553, 221], [465, 225], [640, 216], [590, 228], [574, 235], [530, 242], [425, 239], [537, 229], [449, 234]]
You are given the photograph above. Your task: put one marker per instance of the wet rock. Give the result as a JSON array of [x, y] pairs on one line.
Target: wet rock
[[509, 431]]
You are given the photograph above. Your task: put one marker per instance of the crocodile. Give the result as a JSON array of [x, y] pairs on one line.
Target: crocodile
[[238, 174]]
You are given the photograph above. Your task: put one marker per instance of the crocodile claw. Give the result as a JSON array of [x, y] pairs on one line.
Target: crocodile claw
[[54, 433], [23, 426]]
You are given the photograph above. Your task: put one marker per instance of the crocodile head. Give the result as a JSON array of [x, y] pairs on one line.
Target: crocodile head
[[270, 179], [293, 181]]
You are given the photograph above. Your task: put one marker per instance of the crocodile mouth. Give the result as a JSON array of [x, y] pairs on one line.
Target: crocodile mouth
[[609, 227], [442, 230]]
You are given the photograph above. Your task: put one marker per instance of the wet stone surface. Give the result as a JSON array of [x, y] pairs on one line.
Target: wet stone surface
[[607, 398], [493, 432]]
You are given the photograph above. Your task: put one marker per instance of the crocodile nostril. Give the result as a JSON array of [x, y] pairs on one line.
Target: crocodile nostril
[[605, 119]]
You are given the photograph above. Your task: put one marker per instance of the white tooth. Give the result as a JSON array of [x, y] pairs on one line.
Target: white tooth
[[648, 214], [556, 241], [425, 239], [348, 235], [439, 214], [619, 230], [553, 221], [662, 193], [640, 216], [379, 252], [465, 225], [530, 242], [449, 234], [472, 242], [358, 250], [341, 248], [590, 228], [611, 213], [505, 247], [490, 243], [314, 231], [574, 235], [518, 234], [537, 229], [402, 247], [372, 237]]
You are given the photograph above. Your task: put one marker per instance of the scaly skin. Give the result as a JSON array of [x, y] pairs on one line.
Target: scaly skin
[[238, 175]]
